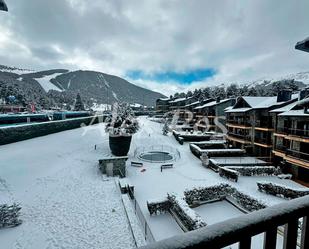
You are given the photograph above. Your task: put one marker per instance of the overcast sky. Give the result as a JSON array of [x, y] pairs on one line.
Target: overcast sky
[[165, 45]]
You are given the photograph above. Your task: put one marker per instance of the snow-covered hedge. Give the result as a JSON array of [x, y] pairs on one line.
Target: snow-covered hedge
[[204, 194], [218, 192], [213, 165], [247, 202], [9, 215], [281, 190], [228, 173], [254, 170], [158, 206], [189, 218]]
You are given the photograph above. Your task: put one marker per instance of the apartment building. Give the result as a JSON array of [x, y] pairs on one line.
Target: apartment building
[[211, 112], [250, 124], [291, 137]]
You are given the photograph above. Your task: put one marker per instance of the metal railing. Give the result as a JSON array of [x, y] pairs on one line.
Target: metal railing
[[298, 154], [263, 140], [238, 122], [149, 238], [292, 131], [242, 229]]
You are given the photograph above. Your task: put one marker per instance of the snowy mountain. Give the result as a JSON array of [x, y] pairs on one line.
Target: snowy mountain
[[60, 86], [301, 79]]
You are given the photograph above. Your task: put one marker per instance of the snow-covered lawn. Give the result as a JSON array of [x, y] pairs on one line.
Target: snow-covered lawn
[[66, 203]]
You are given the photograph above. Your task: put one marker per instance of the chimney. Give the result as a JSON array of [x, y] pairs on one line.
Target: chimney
[[218, 100], [284, 95], [303, 93]]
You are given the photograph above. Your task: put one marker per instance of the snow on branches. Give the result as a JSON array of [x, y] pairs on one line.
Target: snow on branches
[[123, 121]]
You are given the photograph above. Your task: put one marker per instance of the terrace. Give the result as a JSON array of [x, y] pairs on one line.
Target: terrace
[[188, 173]]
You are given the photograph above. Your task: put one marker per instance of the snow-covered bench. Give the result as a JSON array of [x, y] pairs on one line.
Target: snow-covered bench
[[136, 164], [166, 166]]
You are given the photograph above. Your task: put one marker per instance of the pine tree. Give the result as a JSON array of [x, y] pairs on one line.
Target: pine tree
[[165, 129], [79, 105]]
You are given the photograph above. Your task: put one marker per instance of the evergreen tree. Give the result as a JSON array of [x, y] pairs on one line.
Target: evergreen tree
[[79, 105]]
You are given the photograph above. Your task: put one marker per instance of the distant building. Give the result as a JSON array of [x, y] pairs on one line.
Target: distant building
[[162, 105], [213, 110], [4, 108]]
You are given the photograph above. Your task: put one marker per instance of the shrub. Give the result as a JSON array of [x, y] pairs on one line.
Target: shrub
[[189, 218], [9, 215], [203, 194], [254, 170], [281, 190], [158, 206], [123, 121], [228, 174]]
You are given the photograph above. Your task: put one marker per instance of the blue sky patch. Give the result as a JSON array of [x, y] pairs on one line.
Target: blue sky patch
[[184, 78]]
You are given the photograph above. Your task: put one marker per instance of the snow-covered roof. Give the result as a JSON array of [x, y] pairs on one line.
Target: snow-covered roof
[[194, 103], [294, 113], [178, 100], [164, 99], [285, 108], [245, 109], [261, 103], [228, 108], [212, 103]]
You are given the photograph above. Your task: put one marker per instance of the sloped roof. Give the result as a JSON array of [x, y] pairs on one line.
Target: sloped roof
[[285, 108], [245, 109], [212, 103], [178, 100], [194, 103], [294, 113]]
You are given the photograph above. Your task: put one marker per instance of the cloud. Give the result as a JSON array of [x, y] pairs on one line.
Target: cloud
[[163, 40]]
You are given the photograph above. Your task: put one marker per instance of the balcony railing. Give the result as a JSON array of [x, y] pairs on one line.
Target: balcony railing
[[292, 131], [281, 148], [241, 136], [242, 229], [238, 122], [298, 154], [262, 124], [262, 140]]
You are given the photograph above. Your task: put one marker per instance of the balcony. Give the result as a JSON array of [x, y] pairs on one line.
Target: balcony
[[264, 124], [242, 229], [240, 136], [239, 122], [281, 148], [294, 132], [262, 140], [298, 154]]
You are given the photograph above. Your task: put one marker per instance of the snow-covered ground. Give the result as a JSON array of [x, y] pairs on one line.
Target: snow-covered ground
[[187, 173], [66, 202], [46, 84]]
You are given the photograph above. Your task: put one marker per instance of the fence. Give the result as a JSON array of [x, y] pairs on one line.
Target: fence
[[145, 227]]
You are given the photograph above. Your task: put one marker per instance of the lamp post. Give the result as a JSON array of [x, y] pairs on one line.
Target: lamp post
[[3, 6]]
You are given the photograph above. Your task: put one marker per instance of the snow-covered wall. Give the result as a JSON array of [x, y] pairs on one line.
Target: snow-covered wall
[[14, 134]]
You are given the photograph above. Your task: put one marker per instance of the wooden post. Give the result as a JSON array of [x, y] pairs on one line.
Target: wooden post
[[305, 233], [270, 238], [290, 235]]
